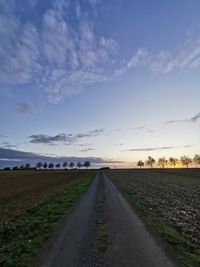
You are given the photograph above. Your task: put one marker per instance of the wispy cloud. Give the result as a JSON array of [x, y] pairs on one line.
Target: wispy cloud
[[25, 108], [85, 144], [186, 146], [187, 120], [63, 138], [142, 128], [138, 128], [57, 57], [62, 58], [157, 148], [183, 58], [86, 149], [151, 148], [7, 144]]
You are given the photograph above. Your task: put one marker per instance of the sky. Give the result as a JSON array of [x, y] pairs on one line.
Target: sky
[[111, 81]]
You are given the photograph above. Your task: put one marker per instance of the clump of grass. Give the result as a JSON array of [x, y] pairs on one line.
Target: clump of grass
[[22, 239], [101, 237]]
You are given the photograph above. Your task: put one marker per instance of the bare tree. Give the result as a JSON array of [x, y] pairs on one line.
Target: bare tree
[[197, 159], [45, 165], [71, 165], [58, 165], [150, 161], [79, 165], [162, 162], [51, 165], [87, 164], [186, 161], [65, 164], [15, 168], [39, 165], [173, 162], [27, 166], [140, 164]]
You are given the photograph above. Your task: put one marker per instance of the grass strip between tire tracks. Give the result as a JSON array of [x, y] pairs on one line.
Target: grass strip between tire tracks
[[22, 239], [184, 250]]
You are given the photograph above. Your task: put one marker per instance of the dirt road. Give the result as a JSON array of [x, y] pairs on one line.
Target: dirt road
[[103, 230]]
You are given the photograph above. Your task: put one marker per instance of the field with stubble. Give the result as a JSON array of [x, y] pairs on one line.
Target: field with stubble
[[169, 202], [23, 192], [31, 204]]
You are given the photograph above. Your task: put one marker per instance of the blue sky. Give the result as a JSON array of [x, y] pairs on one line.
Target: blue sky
[[118, 80]]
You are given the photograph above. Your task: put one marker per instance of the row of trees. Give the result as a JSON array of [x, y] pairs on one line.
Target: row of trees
[[185, 161], [64, 165], [45, 165]]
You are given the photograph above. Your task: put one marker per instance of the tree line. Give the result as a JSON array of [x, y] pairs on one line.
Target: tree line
[[51, 165], [64, 165], [162, 162]]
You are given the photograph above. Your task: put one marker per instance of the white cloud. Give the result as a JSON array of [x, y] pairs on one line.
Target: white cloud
[[184, 58], [18, 51], [61, 5], [140, 59], [78, 11], [58, 40], [61, 58], [56, 57]]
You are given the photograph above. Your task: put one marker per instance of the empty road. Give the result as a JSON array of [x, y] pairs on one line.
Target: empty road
[[103, 230]]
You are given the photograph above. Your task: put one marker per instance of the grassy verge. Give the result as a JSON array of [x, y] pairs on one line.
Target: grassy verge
[[22, 239], [184, 250]]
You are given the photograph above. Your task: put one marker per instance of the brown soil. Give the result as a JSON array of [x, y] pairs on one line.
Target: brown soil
[[173, 194], [24, 191]]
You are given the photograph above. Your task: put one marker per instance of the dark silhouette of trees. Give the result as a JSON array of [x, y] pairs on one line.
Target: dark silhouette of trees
[[7, 169], [27, 166], [58, 165], [197, 159], [65, 164], [45, 165], [39, 165], [15, 168], [140, 164], [87, 164], [79, 165], [71, 165], [150, 161], [173, 162], [51, 165], [162, 162], [186, 161]]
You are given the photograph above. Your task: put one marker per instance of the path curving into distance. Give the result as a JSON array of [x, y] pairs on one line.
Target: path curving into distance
[[103, 230]]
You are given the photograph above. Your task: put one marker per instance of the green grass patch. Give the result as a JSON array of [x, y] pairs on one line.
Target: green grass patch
[[185, 251], [102, 238], [21, 240]]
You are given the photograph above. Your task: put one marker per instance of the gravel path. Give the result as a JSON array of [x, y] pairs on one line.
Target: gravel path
[[129, 243]]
